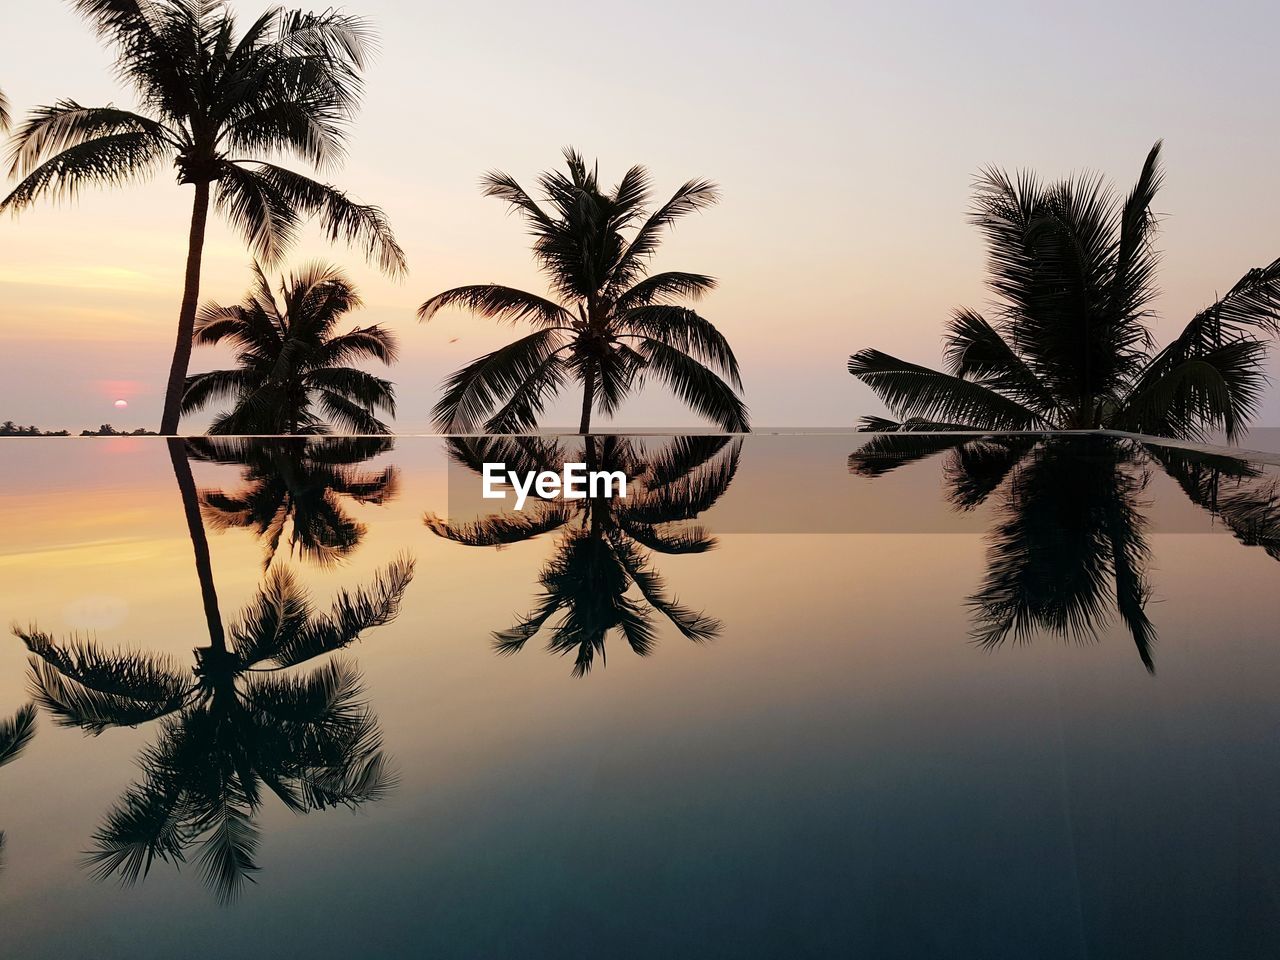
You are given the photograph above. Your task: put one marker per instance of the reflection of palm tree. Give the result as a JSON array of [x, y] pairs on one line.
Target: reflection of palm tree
[[15, 734], [289, 85], [1068, 546], [299, 482], [601, 552], [609, 325], [1238, 494], [292, 360], [1073, 269], [231, 726]]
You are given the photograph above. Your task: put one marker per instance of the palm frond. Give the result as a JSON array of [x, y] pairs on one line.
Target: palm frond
[[149, 823], [259, 209], [351, 615], [1211, 376], [1213, 389], [340, 216], [227, 853], [273, 620], [1136, 260], [152, 680], [497, 302], [687, 332], [914, 391], [16, 732], [202, 389], [471, 394], [691, 197], [102, 161], [349, 415], [375, 343], [894, 449], [692, 624], [500, 530], [370, 392], [74, 704], [48, 131], [662, 287], [696, 385], [976, 351]]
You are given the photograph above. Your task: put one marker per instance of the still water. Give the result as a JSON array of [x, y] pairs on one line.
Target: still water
[[793, 697]]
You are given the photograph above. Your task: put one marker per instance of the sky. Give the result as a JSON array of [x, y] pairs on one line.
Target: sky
[[845, 137]]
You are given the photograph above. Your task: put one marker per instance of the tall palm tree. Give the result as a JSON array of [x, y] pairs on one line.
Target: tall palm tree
[[602, 552], [292, 360], [1073, 269], [219, 107], [608, 325], [232, 724], [302, 484]]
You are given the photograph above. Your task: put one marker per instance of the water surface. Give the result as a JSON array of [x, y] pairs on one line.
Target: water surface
[[798, 696]]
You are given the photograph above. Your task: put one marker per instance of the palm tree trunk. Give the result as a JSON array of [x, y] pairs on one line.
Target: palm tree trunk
[[588, 399], [199, 542], [187, 316]]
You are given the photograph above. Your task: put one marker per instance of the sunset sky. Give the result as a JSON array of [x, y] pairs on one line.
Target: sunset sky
[[845, 137]]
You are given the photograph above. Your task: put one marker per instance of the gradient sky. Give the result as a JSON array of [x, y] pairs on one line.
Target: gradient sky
[[845, 137]]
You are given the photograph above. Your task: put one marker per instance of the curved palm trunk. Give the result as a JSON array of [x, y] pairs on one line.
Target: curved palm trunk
[[588, 400], [199, 542], [187, 315]]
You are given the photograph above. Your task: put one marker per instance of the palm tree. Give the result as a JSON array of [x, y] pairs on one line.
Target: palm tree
[[233, 723], [15, 734], [609, 325], [601, 553], [1073, 269], [302, 484], [291, 360], [4, 113], [216, 106]]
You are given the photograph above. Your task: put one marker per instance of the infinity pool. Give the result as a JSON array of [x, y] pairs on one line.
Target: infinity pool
[[795, 696]]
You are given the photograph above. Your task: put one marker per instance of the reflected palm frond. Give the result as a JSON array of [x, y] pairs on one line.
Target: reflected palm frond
[[1235, 492], [304, 486], [15, 734]]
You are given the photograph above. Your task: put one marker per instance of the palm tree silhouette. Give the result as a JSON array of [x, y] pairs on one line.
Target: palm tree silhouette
[[609, 326], [604, 544], [298, 484], [1073, 269], [212, 103], [15, 734], [1067, 550], [233, 724], [292, 361], [4, 113]]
